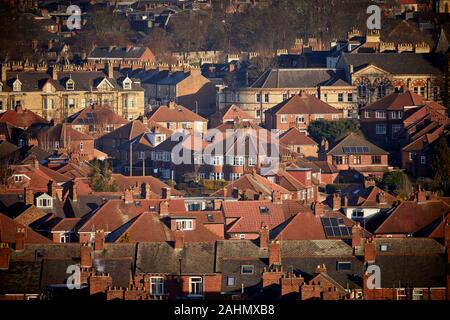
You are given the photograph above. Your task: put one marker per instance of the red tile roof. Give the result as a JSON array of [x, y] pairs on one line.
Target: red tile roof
[[8, 228], [303, 104], [156, 185], [303, 226], [174, 113], [252, 185], [96, 115], [412, 216], [295, 137], [251, 214], [115, 212], [22, 118], [234, 112], [396, 101]]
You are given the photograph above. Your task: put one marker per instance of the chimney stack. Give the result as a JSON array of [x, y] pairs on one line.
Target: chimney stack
[[321, 268], [264, 236], [99, 240], [166, 193], [336, 203], [74, 190], [275, 253], [55, 73], [51, 188], [28, 196], [146, 191], [86, 256], [20, 239], [128, 196], [421, 195], [276, 196], [381, 197], [164, 208], [369, 250], [3, 67], [110, 70], [345, 201], [179, 239], [356, 235], [318, 209], [4, 256]]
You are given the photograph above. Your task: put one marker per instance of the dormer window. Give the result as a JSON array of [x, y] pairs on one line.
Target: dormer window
[[70, 85], [185, 224], [17, 85], [44, 201], [127, 84]]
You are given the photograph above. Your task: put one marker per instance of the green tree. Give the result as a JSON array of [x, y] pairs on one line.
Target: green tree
[[331, 130], [397, 182], [440, 164], [100, 177]]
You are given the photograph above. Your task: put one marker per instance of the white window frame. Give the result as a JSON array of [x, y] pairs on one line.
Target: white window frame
[[196, 287], [252, 267], [185, 224], [284, 118], [300, 118], [380, 114], [158, 283]]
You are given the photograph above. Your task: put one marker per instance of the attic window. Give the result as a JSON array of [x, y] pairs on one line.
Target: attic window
[[127, 84], [210, 218], [344, 266], [152, 208], [137, 204], [384, 247], [17, 85], [247, 269], [70, 85], [263, 210]]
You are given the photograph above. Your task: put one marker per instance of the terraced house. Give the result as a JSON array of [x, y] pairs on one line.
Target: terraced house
[[55, 94]]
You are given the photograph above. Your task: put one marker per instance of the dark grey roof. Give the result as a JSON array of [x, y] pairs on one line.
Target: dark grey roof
[[117, 53], [196, 258], [306, 267], [395, 63], [315, 248], [21, 277], [297, 78], [84, 80]]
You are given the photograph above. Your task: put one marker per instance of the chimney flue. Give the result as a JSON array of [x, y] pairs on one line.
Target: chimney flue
[[179, 239], [20, 239], [264, 236]]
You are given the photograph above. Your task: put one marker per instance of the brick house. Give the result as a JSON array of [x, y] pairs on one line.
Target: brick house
[[299, 111], [63, 138], [96, 121], [178, 118], [299, 142], [353, 152]]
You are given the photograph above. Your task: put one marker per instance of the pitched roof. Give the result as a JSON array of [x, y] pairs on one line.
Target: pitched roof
[[115, 212], [174, 113], [127, 131], [367, 197], [297, 78], [396, 101], [303, 226], [355, 140], [295, 137], [62, 132], [117, 52], [252, 185], [22, 118], [156, 185], [96, 115], [233, 112], [195, 258], [394, 63], [411, 216], [251, 214], [303, 104], [8, 228]]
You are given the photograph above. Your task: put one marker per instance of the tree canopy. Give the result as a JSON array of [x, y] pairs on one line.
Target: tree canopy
[[331, 130], [100, 177], [440, 164]]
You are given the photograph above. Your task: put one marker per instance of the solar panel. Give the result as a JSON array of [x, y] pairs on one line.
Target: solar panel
[[335, 227], [353, 150]]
